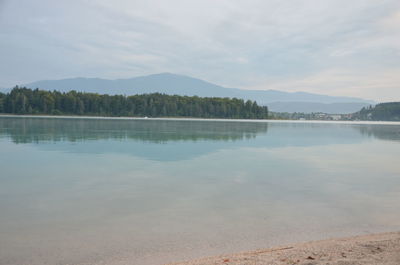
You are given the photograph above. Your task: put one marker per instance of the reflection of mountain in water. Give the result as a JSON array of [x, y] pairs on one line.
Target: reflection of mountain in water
[[163, 140], [34, 130], [172, 140]]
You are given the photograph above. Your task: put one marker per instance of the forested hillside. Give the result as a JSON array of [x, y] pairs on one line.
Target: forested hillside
[[28, 101], [381, 112]]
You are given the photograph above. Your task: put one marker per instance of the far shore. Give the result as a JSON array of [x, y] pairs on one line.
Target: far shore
[[199, 119], [382, 249]]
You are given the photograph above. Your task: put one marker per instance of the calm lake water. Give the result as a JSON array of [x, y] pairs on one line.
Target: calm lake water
[[108, 191]]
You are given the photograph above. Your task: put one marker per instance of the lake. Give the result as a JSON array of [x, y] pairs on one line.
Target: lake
[[109, 191]]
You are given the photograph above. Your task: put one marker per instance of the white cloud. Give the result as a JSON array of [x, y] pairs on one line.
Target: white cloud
[[253, 43]]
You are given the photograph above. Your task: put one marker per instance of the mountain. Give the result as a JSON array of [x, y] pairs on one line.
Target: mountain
[[183, 85], [309, 107], [162, 83]]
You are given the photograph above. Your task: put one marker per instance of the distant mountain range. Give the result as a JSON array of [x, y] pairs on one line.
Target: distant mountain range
[[309, 107], [167, 83]]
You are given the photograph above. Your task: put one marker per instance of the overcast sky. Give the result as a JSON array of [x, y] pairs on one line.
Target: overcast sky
[[333, 47]]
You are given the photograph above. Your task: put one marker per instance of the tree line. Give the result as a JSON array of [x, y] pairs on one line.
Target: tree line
[[28, 101], [381, 112]]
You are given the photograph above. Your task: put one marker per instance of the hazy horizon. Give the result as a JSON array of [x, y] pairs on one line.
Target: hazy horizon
[[320, 48]]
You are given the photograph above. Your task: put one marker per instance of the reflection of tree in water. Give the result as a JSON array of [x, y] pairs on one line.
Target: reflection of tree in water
[[34, 130], [384, 132]]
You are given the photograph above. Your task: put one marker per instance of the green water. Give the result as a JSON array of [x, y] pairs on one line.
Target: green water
[[108, 191]]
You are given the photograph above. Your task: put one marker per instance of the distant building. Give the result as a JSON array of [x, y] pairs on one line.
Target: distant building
[[335, 117], [321, 116]]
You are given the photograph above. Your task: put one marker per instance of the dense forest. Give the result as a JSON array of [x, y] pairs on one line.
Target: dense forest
[[381, 112], [28, 101]]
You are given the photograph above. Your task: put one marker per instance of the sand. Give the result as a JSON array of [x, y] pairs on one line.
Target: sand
[[360, 250]]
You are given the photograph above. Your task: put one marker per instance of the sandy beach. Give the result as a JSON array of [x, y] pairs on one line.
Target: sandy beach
[[360, 250]]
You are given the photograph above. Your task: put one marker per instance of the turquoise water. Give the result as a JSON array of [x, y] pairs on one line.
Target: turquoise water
[[108, 191]]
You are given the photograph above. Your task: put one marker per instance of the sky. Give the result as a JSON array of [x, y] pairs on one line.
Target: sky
[[332, 47]]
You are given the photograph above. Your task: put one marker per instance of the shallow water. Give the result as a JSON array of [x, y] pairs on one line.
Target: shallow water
[[108, 191]]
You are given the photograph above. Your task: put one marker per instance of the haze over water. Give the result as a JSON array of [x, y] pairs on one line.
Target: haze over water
[[107, 191]]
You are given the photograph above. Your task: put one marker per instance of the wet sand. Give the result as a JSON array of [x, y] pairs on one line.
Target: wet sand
[[360, 250]]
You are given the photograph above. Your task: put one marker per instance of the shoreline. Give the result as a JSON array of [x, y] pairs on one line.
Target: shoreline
[[199, 119], [372, 249]]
